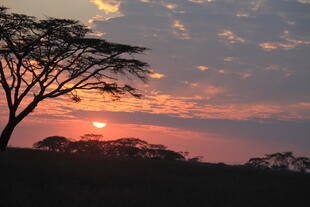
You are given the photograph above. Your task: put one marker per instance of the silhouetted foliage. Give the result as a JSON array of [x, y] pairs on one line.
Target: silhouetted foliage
[[128, 148], [195, 159], [53, 143], [281, 161], [258, 162], [91, 137], [40, 178], [41, 59], [302, 164]]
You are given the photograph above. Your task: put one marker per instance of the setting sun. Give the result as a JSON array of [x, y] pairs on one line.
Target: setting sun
[[99, 124]]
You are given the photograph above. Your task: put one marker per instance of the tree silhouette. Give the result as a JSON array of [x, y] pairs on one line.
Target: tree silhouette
[[258, 162], [281, 161], [41, 59], [53, 143], [91, 137], [123, 148], [302, 164]]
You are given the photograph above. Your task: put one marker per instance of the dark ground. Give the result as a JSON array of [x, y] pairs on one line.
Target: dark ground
[[36, 178]]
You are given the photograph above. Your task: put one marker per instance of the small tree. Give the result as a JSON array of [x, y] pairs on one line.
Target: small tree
[[53, 143], [87, 137], [280, 160], [42, 59], [258, 162], [302, 164], [195, 159]]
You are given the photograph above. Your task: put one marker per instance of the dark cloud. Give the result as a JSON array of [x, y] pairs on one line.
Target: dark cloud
[[294, 132]]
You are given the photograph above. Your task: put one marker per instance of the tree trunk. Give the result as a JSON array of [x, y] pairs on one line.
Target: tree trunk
[[13, 121], [6, 135]]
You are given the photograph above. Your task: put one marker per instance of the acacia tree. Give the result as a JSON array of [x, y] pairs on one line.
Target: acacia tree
[[53, 143], [42, 59]]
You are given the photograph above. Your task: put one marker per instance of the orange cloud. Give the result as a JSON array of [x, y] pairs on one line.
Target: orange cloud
[[171, 6], [108, 6], [290, 43], [245, 75], [192, 84], [202, 67], [240, 14], [275, 45], [229, 36], [212, 90], [201, 1], [180, 30], [97, 18], [228, 59], [183, 106], [222, 71], [157, 75]]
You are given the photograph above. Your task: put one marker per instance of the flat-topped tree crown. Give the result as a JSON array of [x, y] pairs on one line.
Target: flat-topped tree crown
[[53, 57]]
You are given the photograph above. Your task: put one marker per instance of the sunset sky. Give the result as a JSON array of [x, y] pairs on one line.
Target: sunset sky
[[231, 78]]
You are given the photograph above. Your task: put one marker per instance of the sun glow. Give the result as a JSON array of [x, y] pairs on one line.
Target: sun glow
[[99, 124]]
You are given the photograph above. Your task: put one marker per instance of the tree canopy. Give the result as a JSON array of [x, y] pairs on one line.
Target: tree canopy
[[282, 161], [42, 59], [53, 143], [128, 148]]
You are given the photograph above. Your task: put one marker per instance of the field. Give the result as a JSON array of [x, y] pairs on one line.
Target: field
[[38, 178]]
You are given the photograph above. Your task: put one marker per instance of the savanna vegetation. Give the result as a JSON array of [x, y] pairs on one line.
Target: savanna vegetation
[[31, 178], [281, 161], [124, 148]]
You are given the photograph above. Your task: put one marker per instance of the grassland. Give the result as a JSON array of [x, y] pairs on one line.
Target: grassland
[[37, 178]]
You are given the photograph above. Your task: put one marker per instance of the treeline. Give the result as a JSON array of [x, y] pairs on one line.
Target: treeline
[[130, 148], [281, 161]]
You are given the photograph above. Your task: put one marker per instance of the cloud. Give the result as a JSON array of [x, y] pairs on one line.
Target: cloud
[[192, 84], [304, 1], [221, 71], [276, 45], [290, 43], [246, 75], [157, 75], [257, 4], [108, 6], [239, 14], [180, 31], [230, 37], [229, 59], [212, 90], [97, 18], [171, 6], [201, 1], [293, 132], [202, 67]]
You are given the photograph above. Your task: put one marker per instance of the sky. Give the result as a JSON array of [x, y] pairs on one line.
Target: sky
[[230, 77]]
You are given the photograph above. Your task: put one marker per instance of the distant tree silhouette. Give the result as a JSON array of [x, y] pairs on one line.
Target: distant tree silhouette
[[53, 143], [91, 137], [195, 159], [42, 59], [85, 146], [258, 162], [302, 164], [128, 148], [281, 161]]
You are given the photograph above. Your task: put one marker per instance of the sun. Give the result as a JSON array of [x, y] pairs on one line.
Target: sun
[[99, 124]]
